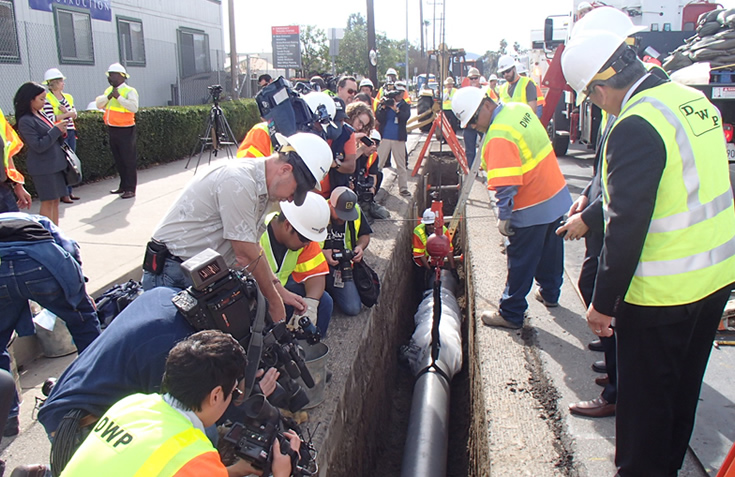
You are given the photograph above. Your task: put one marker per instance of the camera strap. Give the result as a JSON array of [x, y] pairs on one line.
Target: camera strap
[[255, 347]]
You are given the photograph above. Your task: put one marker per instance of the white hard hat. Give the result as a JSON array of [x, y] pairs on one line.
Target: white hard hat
[[473, 72], [375, 135], [317, 98], [118, 68], [391, 71], [52, 74], [521, 68], [608, 19], [584, 7], [429, 216], [585, 55], [465, 103], [449, 80], [401, 85], [366, 82], [316, 156], [493, 77], [505, 63], [311, 218]]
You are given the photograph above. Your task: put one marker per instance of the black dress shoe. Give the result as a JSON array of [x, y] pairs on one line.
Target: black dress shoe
[[73, 197], [595, 345], [602, 381], [599, 367], [117, 191], [128, 194], [596, 408]]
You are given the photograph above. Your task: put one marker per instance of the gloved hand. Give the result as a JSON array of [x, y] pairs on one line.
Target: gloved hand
[[504, 228]]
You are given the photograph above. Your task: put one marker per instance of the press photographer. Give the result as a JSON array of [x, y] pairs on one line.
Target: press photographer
[[130, 356], [348, 235], [392, 114]]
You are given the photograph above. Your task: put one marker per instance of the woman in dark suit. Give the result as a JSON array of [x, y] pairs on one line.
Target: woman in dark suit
[[45, 159]]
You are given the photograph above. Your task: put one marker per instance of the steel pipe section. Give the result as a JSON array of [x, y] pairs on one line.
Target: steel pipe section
[[425, 453]]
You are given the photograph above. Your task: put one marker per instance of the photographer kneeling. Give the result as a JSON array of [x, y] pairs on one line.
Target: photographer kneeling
[[152, 434], [348, 235]]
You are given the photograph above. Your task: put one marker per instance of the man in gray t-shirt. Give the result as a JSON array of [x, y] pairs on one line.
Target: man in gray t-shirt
[[225, 210]]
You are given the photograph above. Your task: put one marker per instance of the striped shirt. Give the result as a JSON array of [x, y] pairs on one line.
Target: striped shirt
[[48, 111]]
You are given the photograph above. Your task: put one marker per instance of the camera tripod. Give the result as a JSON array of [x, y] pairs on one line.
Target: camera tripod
[[217, 133]]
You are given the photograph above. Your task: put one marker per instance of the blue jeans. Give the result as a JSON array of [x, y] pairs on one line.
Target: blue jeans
[[23, 279], [8, 202], [470, 145], [346, 298], [173, 276], [534, 252], [323, 311]]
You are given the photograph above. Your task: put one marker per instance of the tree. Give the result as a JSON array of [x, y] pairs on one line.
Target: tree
[[518, 48], [503, 50], [353, 50], [314, 51]]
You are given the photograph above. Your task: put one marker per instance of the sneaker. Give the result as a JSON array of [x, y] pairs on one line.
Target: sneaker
[[539, 298], [405, 193], [12, 427], [494, 318]]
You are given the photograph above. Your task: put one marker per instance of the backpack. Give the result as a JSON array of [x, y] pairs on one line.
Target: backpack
[[114, 300], [366, 280]]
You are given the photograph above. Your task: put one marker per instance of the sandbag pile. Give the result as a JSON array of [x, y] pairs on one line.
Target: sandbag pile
[[714, 42]]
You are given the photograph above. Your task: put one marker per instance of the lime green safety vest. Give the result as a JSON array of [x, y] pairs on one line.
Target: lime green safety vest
[[420, 232], [290, 260], [348, 235], [56, 104], [689, 250], [115, 113], [519, 93], [139, 436], [447, 102]]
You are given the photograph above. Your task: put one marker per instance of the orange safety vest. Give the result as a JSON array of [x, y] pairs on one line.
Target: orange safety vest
[[257, 142], [518, 152], [115, 113], [540, 101], [11, 146]]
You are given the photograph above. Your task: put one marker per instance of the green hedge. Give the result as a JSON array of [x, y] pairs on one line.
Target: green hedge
[[164, 134]]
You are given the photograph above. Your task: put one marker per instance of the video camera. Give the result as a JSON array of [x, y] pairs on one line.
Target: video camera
[[253, 438], [389, 97], [227, 300], [215, 90], [344, 257], [364, 187], [286, 112]]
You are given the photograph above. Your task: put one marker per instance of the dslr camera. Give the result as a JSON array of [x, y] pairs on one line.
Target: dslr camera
[[363, 187], [260, 426], [344, 257], [389, 98]]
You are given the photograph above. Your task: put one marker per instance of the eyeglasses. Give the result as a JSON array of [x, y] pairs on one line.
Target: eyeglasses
[[236, 391], [590, 89], [474, 78], [476, 116], [301, 238], [351, 92]]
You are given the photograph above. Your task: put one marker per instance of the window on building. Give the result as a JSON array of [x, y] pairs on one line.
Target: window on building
[[9, 51], [74, 36], [193, 52], [130, 39]]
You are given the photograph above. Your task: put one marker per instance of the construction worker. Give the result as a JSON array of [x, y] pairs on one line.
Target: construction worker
[[146, 434], [367, 86], [470, 135], [225, 210], [257, 142], [13, 196], [447, 96], [516, 89], [531, 194], [492, 88], [292, 246], [120, 103], [540, 100], [668, 257], [348, 230], [421, 233], [390, 80]]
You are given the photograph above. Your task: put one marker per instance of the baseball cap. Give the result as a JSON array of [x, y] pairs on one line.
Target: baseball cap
[[344, 201], [340, 105], [429, 217]]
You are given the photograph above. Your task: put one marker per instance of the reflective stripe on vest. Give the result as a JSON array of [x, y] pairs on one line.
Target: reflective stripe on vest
[[492, 94], [115, 113], [257, 142], [357, 222], [290, 262], [420, 232], [538, 175], [519, 93], [689, 250], [140, 436], [56, 104], [11, 146]]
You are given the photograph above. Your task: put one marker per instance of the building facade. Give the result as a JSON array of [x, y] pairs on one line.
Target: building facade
[[172, 49]]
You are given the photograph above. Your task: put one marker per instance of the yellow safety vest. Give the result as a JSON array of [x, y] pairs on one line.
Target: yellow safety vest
[[290, 262], [689, 250], [447, 102], [139, 436], [56, 104], [420, 232], [115, 114], [356, 222], [11, 146], [519, 93]]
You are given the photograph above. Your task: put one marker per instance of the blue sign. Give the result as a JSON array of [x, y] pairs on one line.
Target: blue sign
[[98, 9]]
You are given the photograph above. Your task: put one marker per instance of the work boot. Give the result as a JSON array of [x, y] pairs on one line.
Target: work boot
[[378, 211], [494, 318]]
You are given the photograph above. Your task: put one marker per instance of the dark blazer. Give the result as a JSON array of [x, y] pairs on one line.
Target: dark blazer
[[43, 145]]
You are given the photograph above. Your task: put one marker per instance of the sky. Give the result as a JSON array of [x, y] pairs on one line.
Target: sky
[[475, 25]]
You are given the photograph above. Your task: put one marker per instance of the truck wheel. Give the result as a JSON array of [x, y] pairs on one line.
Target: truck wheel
[[425, 103], [561, 145]]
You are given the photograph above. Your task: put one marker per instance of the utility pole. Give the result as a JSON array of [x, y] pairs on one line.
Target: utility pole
[[372, 68], [407, 80], [234, 64], [421, 17]]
